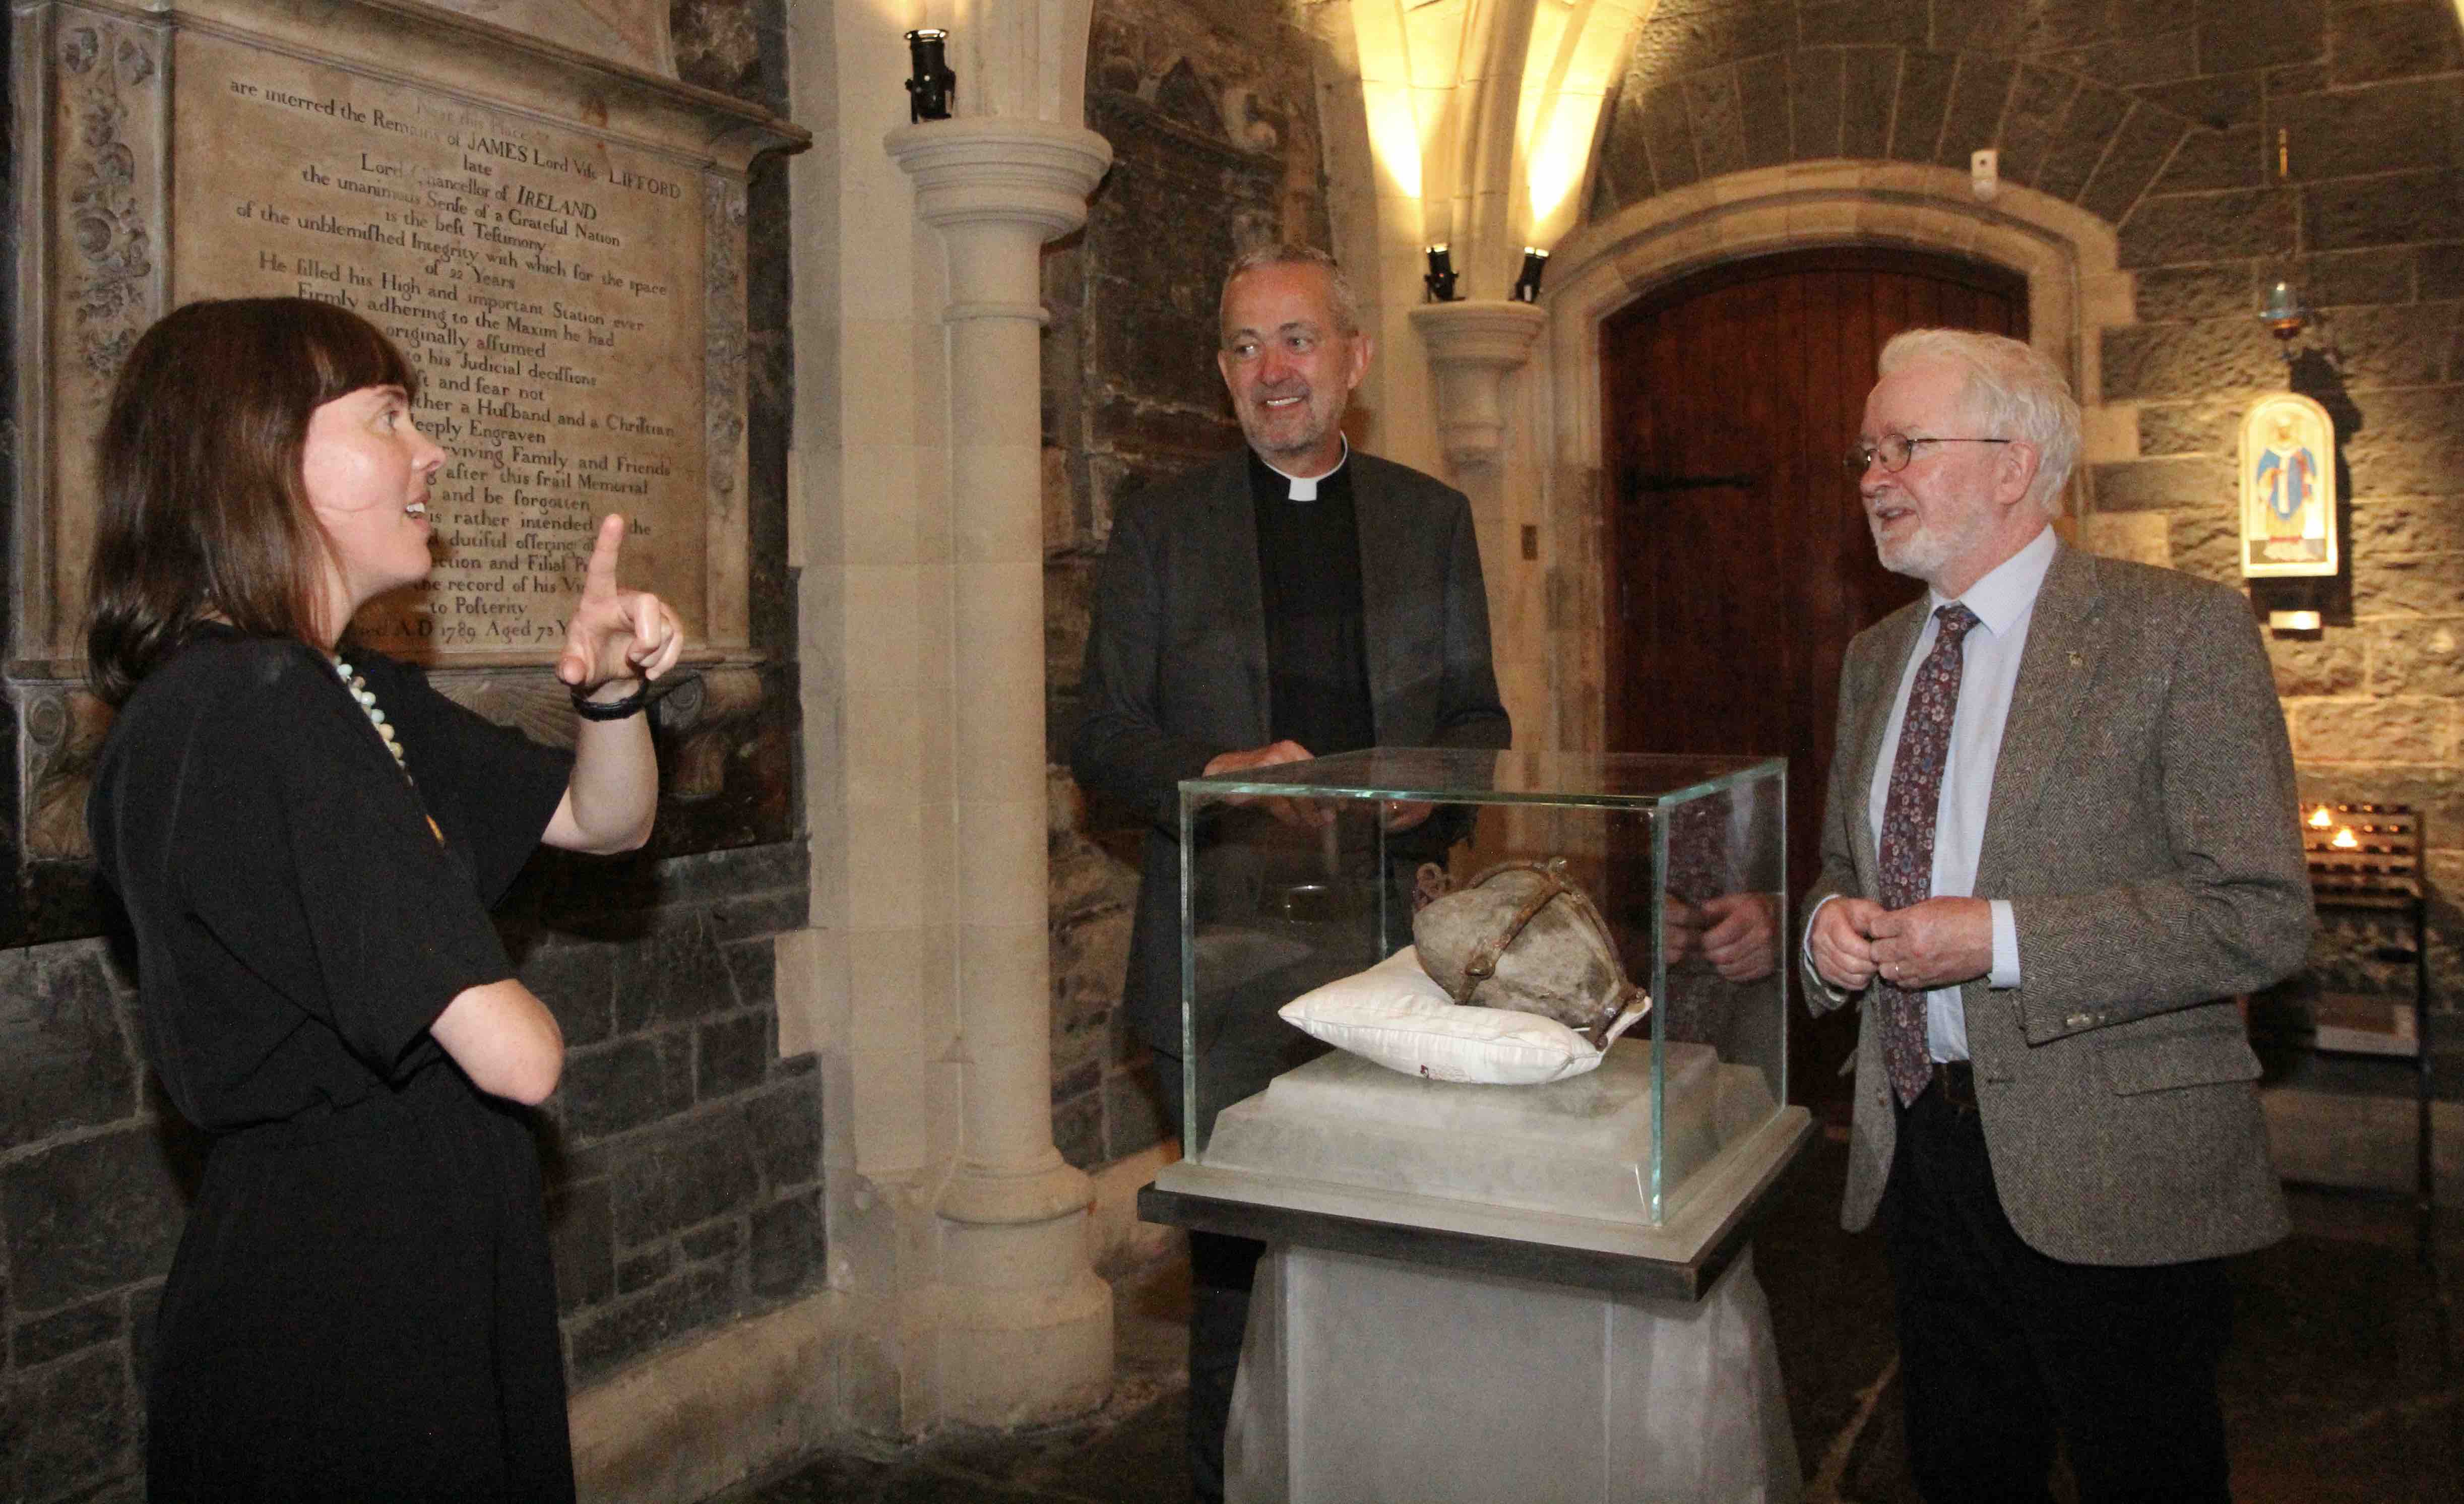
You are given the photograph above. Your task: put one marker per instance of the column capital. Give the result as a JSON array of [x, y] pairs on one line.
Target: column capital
[[1482, 332], [1472, 345], [997, 169]]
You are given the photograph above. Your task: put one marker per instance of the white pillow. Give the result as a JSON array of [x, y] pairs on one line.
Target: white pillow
[[1393, 1013]]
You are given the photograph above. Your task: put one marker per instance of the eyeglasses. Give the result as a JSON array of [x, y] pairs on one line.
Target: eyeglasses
[[1895, 451]]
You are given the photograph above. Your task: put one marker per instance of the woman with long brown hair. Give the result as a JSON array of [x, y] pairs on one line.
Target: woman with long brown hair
[[307, 838]]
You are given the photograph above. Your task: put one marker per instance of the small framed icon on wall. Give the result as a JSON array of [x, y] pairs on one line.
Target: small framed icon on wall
[[2288, 488]]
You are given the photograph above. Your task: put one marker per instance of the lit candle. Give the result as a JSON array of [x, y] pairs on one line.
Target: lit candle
[[2344, 840], [2318, 818]]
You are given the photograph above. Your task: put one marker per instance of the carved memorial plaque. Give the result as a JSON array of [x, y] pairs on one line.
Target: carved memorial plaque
[[554, 235], [548, 285], [556, 240]]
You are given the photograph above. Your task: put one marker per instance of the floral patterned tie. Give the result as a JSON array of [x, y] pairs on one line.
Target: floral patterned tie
[[1909, 812]]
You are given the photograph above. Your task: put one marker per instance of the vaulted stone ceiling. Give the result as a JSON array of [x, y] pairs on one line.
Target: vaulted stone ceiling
[[1479, 117]]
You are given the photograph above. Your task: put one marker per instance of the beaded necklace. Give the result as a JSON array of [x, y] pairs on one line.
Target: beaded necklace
[[367, 703]]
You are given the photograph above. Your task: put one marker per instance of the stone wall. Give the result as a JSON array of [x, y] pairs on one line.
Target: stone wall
[[2229, 143], [1209, 107], [683, 1155]]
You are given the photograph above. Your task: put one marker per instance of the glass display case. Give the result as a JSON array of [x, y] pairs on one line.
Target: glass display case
[[1301, 876]]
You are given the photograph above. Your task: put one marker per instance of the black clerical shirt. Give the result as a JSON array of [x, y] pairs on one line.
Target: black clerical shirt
[[1309, 574]]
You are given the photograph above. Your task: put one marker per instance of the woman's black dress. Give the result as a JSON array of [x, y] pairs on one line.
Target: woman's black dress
[[362, 1306]]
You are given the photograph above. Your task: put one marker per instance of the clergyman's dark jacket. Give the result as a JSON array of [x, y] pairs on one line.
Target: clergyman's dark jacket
[[1177, 668]]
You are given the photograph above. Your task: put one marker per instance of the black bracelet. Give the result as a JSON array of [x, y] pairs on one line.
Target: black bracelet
[[632, 704]]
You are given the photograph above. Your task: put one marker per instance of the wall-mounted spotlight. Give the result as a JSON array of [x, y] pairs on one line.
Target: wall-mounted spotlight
[[1535, 264], [1441, 280], [929, 90]]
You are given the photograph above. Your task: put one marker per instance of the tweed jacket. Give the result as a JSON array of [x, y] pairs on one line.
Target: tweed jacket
[[1176, 669], [2143, 825]]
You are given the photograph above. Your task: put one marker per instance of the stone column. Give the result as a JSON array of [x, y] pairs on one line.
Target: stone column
[[1026, 1328], [1473, 346]]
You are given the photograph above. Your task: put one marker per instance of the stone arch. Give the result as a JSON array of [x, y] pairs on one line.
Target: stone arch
[[2074, 287], [2069, 256]]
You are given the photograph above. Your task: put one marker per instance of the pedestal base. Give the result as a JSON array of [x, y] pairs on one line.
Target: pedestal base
[[1575, 1148], [1542, 1182], [1023, 1338], [1011, 1359], [1366, 1380]]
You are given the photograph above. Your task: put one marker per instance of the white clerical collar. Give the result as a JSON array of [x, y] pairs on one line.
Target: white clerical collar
[[1305, 487]]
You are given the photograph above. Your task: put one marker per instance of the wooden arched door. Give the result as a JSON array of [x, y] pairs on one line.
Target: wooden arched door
[[1739, 564]]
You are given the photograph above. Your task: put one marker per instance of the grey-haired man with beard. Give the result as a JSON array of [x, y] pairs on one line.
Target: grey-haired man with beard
[[2061, 835], [1298, 600]]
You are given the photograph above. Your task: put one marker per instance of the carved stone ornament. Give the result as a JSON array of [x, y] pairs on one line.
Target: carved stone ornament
[[1474, 344], [63, 728], [103, 67], [91, 92], [707, 713], [723, 394]]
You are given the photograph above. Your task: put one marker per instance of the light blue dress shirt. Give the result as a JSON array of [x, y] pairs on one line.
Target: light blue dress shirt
[[2005, 603]]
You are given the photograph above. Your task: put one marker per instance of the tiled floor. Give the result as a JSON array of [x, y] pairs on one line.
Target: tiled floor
[[2335, 1390]]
